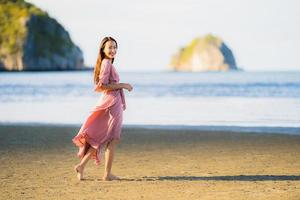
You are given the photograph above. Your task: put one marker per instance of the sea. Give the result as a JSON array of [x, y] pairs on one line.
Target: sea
[[255, 101]]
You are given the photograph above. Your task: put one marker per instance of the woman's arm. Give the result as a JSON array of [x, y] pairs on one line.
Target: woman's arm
[[116, 86], [112, 86]]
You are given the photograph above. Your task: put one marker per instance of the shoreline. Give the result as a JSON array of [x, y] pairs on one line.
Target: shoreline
[[210, 128]]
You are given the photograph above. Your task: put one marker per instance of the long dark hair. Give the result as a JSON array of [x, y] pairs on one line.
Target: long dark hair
[[101, 56]]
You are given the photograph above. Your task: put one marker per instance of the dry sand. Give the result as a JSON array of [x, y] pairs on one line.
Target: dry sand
[[37, 163]]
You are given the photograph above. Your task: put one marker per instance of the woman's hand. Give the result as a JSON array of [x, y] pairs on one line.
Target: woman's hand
[[128, 87]]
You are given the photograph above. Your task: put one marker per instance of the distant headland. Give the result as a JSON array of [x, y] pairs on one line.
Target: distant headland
[[30, 40], [207, 53]]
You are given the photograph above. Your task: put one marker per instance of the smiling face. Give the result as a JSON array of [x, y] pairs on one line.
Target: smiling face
[[110, 49]]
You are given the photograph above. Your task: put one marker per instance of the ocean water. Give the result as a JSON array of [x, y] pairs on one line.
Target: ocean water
[[166, 99]]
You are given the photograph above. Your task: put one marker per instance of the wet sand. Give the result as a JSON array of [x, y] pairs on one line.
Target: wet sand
[[37, 163]]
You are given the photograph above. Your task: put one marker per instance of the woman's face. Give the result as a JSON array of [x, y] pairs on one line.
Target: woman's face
[[110, 49]]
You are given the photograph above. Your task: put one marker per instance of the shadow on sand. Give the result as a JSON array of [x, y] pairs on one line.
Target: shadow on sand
[[229, 178], [213, 178]]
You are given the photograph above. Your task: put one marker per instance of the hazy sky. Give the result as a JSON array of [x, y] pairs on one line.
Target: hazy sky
[[263, 34]]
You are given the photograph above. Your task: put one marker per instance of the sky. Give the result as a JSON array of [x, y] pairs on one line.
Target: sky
[[263, 35]]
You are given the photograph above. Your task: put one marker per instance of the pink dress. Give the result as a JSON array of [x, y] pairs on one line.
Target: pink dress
[[104, 122]]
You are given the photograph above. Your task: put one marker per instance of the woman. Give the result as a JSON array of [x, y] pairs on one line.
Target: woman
[[102, 128]]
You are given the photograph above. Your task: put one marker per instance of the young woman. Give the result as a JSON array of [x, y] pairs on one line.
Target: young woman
[[102, 128]]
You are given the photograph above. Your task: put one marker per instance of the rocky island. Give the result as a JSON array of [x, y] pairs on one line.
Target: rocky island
[[207, 53], [30, 40]]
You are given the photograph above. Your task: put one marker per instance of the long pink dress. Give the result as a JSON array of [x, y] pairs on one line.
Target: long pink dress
[[104, 122]]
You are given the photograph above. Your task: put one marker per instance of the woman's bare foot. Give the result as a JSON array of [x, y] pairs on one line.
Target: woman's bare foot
[[110, 177], [79, 170]]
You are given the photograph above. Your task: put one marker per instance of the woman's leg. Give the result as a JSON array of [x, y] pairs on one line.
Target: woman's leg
[[80, 167], [109, 156]]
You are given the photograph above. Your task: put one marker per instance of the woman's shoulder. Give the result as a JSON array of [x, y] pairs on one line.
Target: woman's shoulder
[[106, 61]]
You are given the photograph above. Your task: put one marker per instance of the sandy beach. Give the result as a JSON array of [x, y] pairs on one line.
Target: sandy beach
[[37, 163]]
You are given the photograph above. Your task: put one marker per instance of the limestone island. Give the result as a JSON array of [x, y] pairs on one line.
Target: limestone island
[[207, 53], [30, 40]]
